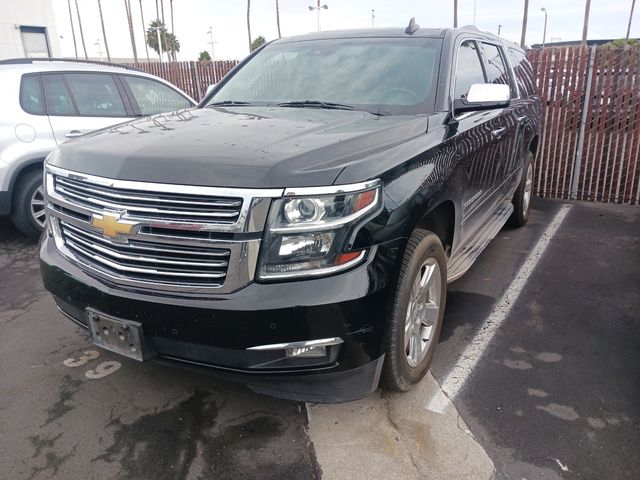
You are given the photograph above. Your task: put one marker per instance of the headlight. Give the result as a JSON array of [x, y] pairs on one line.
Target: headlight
[[310, 230]]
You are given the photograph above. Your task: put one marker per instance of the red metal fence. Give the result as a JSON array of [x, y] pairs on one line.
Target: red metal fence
[[192, 77], [590, 139], [590, 142]]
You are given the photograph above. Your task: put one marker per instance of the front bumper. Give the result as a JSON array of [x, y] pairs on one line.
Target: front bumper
[[214, 332]]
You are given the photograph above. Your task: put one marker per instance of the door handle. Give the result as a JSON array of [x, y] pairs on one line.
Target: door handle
[[497, 133], [73, 134]]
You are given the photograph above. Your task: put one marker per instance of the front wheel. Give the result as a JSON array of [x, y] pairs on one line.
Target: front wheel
[[416, 316], [28, 211]]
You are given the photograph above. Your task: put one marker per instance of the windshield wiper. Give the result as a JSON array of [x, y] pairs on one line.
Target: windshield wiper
[[316, 104], [228, 102]]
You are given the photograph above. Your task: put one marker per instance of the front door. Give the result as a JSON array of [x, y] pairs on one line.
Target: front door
[[78, 103]]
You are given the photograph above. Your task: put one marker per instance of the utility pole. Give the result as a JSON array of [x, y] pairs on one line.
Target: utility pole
[[317, 8], [475, 10], [585, 28], [210, 32], [499, 28], [544, 35], [525, 18], [373, 18], [633, 4], [455, 13]]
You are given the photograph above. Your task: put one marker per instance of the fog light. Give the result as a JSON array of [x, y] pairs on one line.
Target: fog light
[[307, 352]]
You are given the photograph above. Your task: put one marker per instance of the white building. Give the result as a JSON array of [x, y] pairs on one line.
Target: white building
[[28, 29]]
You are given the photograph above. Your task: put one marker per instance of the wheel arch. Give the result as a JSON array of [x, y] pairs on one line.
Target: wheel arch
[[18, 173]]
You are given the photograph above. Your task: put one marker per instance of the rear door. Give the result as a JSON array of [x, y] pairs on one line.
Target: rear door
[[80, 102], [149, 96]]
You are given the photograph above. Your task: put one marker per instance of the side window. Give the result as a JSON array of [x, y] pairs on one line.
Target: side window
[[495, 67], [31, 99], [95, 94], [57, 96], [468, 69], [154, 97]]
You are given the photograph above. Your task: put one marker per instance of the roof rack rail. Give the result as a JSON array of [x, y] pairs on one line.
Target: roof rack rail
[[22, 61], [471, 27]]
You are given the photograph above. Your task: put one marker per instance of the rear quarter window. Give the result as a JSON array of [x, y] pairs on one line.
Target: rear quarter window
[[523, 71], [31, 99]]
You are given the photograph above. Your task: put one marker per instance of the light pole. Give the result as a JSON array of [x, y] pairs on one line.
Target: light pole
[[210, 32], [633, 4], [157, 29], [544, 34], [475, 9], [499, 28], [373, 19], [97, 44], [317, 8]]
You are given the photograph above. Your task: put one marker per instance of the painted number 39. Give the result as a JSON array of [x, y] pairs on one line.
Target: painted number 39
[[101, 371]]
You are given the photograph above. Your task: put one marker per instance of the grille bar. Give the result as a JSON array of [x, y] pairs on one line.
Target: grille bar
[[170, 206]]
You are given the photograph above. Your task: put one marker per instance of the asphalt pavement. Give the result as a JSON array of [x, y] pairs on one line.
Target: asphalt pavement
[[553, 395]]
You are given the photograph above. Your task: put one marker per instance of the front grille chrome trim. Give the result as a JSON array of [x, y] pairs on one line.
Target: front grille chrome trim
[[193, 257]]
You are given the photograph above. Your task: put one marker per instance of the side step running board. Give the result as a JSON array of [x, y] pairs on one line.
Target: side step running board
[[462, 261]]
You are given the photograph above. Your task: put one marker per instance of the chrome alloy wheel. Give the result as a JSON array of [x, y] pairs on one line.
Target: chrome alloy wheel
[[423, 312], [528, 184], [37, 206]]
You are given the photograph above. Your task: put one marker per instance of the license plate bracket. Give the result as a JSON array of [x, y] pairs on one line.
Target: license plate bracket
[[124, 337]]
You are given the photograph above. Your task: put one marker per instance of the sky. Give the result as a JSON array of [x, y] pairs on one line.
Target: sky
[[193, 18]]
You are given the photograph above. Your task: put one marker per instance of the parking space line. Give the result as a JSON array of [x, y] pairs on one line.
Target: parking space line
[[453, 382]]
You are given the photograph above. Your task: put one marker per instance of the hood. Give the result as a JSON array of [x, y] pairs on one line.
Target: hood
[[253, 147]]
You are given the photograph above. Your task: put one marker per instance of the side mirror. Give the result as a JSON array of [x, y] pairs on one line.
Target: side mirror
[[483, 96], [209, 88]]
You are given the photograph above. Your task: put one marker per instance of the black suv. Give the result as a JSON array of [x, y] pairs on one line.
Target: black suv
[[296, 231]]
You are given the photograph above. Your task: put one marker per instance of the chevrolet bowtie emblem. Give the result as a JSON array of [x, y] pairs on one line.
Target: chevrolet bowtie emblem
[[111, 224]]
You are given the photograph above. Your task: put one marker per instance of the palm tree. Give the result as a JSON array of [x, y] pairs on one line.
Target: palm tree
[[73, 30], [84, 47], [146, 48], [249, 22], [170, 43], [104, 33], [278, 17], [127, 7]]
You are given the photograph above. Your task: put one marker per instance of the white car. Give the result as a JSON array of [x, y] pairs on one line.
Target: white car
[[46, 102]]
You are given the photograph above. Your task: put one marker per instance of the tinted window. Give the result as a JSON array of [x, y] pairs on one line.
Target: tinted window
[[495, 67], [58, 98], [95, 94], [31, 95], [468, 69], [154, 97], [390, 74]]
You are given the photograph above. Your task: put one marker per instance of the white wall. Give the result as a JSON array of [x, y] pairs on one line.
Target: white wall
[[33, 13]]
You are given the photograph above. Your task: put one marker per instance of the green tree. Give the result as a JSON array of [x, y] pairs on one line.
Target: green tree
[[169, 41], [257, 42], [622, 42], [204, 55]]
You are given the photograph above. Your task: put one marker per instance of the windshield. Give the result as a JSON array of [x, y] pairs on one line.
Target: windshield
[[383, 75]]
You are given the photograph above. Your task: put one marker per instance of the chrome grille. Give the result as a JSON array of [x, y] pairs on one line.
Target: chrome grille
[[159, 205], [186, 240], [141, 260]]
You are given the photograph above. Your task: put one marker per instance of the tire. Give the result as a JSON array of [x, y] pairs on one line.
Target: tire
[[400, 372], [28, 193], [522, 197]]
